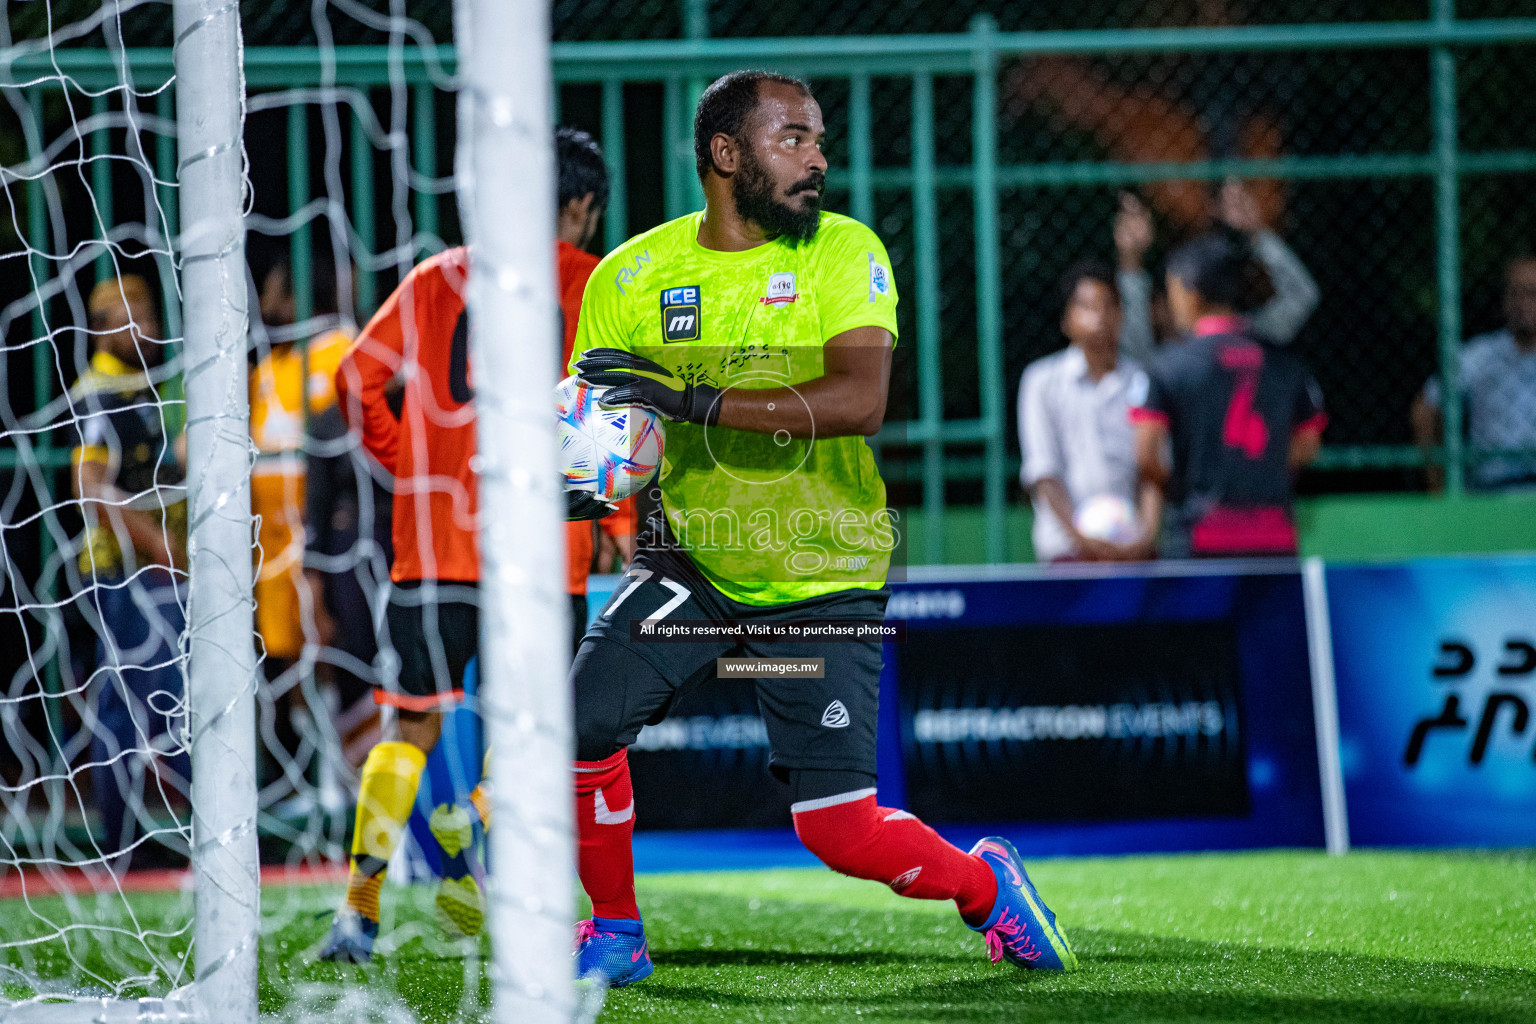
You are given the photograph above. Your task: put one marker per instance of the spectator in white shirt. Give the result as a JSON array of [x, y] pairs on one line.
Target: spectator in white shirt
[[1277, 321], [1497, 377], [1074, 425]]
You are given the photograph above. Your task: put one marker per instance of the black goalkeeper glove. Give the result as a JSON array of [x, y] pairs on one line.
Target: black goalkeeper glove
[[635, 380], [583, 505]]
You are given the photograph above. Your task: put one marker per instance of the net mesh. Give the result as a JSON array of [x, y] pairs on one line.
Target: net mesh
[[349, 188], [94, 768]]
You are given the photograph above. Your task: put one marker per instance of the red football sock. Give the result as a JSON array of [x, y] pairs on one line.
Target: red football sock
[[605, 825], [854, 836]]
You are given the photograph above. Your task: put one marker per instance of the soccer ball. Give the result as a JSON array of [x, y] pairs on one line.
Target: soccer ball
[[1106, 517], [612, 452]]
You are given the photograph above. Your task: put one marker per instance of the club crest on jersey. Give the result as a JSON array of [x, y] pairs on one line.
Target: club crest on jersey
[[680, 316], [879, 279], [781, 290]]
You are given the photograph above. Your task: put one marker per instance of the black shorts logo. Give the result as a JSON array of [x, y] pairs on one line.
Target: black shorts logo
[[680, 319]]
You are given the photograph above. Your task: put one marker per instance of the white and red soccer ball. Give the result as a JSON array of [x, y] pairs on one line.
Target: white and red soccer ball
[[1107, 517], [611, 451]]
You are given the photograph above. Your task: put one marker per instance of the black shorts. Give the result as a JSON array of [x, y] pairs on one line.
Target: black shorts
[[434, 630], [622, 683], [435, 641]]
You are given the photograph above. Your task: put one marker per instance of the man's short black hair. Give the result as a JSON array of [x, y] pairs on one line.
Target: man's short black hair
[[580, 167], [725, 107], [1221, 267], [1087, 270]]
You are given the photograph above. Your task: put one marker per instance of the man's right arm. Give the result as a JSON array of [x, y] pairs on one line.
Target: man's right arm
[[1296, 293], [1138, 341], [365, 373], [1133, 236], [1151, 422], [143, 531]]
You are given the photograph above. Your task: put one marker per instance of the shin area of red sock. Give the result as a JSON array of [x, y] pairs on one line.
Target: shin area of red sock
[[855, 836], [605, 824]]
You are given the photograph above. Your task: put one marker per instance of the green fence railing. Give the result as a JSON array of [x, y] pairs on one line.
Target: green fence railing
[[968, 447]]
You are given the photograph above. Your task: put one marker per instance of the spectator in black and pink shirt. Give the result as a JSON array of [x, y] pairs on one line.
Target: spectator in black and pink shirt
[[1240, 414]]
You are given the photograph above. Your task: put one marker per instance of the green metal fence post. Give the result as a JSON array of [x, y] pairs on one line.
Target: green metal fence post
[[674, 184], [37, 242], [42, 393], [300, 246], [989, 311], [174, 411], [695, 26], [424, 144], [1448, 247], [860, 156], [930, 385], [101, 182], [362, 211], [165, 171], [616, 219]]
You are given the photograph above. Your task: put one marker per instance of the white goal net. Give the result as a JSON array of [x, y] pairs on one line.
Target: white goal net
[[181, 686]]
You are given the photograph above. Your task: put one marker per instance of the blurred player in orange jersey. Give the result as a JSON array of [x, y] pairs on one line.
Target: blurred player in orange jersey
[[421, 336]]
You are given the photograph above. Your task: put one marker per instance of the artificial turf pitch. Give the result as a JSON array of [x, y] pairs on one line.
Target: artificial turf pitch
[[1283, 936]]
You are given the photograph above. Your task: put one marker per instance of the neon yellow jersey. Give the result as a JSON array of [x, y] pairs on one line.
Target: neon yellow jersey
[[768, 519]]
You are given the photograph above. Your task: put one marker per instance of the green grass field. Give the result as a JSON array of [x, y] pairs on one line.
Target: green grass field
[[1386, 937]]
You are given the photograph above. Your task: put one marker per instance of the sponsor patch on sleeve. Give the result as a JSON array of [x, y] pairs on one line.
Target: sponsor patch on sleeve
[[879, 279]]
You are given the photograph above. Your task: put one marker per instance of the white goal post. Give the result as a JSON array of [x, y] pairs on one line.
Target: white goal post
[[96, 943], [505, 166], [221, 675]]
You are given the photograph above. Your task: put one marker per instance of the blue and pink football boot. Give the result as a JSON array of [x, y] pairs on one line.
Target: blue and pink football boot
[[1021, 928], [614, 947]]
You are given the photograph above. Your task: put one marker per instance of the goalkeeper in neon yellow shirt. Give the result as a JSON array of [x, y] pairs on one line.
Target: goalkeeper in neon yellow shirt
[[762, 328]]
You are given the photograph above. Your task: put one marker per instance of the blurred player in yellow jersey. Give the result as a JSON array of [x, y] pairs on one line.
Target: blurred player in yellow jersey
[[285, 605]]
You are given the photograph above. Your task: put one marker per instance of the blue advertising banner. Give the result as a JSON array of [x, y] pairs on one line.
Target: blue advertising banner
[[1088, 711], [1435, 665], [1076, 710]]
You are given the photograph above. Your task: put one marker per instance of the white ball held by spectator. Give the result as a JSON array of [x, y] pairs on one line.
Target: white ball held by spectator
[[1107, 517], [612, 452]]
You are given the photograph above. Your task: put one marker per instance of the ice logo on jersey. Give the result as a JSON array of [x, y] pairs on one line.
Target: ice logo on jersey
[[879, 279], [836, 716], [781, 290], [680, 316]]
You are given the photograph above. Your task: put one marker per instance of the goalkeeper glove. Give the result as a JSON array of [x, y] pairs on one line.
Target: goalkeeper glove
[[582, 505], [635, 380]]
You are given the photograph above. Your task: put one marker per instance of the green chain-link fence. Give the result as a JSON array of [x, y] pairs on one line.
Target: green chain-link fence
[[1388, 143]]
